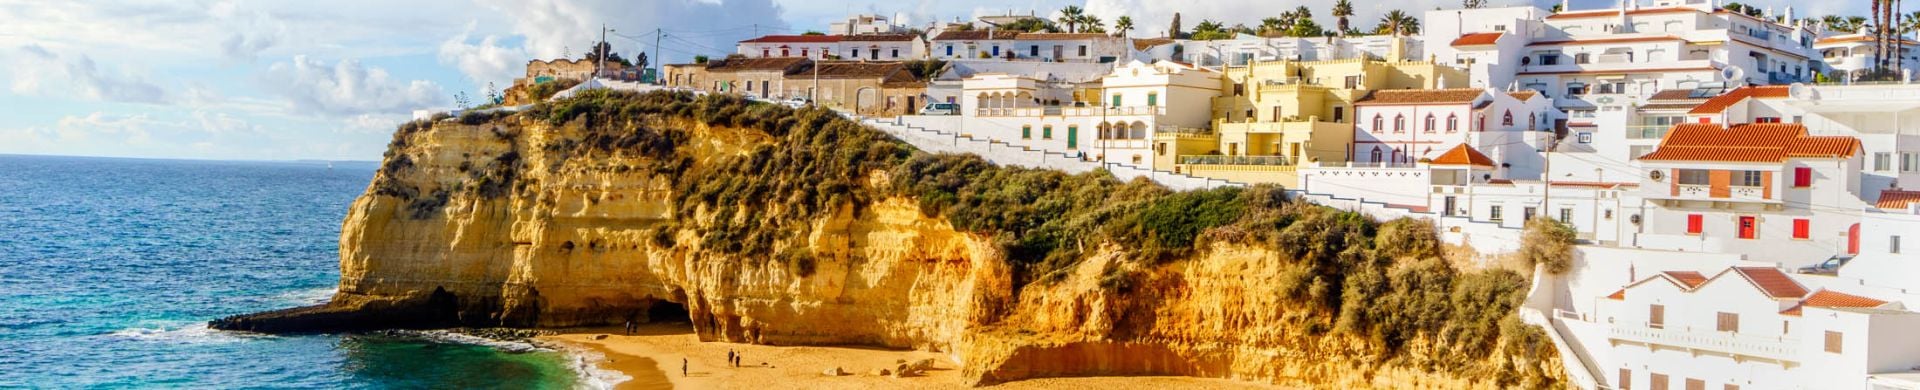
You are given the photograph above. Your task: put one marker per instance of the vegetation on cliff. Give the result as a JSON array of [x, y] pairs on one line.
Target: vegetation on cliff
[[1349, 276]]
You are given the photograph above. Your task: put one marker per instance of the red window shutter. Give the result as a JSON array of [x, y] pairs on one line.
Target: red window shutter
[[1801, 229], [1706, 120], [1802, 176], [1694, 222]]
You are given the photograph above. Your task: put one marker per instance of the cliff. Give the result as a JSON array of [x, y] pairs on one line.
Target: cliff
[[795, 227]]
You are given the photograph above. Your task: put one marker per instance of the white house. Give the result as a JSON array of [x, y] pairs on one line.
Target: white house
[[1070, 47], [872, 47], [1876, 114], [1136, 100], [1244, 49], [1850, 57], [862, 24], [972, 44], [1406, 126], [1768, 191]]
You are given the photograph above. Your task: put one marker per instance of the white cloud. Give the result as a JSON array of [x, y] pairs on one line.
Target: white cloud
[[552, 27], [39, 71], [347, 88], [485, 61]]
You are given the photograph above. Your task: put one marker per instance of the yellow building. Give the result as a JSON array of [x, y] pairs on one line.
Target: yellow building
[[1274, 116]]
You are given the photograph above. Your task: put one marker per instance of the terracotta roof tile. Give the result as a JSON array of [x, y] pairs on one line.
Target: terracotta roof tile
[[878, 38], [848, 70], [1830, 299], [1462, 155], [752, 64], [1421, 96], [1618, 295], [1622, 71], [1687, 278], [1522, 95], [1600, 41], [1673, 94], [1769, 142], [1719, 104], [974, 35], [1771, 281], [795, 39], [1477, 39], [1149, 43], [1897, 199], [1058, 36], [1670, 106], [1616, 12]]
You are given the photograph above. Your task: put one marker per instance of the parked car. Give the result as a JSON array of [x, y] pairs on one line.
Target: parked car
[[1829, 267], [795, 102], [940, 109]]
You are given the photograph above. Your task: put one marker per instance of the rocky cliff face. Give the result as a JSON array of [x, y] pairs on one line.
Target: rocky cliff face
[[517, 221]]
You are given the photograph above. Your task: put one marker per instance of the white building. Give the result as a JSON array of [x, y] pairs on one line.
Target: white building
[[1768, 191], [1136, 100], [863, 24], [973, 44], [1407, 126], [873, 47], [1244, 49], [1875, 114], [1066, 47], [1849, 57]]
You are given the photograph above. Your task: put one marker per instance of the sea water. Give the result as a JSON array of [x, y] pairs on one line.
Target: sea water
[[110, 269]]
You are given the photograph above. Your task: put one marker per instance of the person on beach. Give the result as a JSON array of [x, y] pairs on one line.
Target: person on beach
[[730, 357], [683, 366], [629, 328]]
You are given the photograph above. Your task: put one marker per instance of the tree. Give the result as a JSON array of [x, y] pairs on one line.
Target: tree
[[493, 94], [811, 32], [1071, 17], [1548, 241], [699, 59], [1398, 22], [1306, 28], [1123, 25], [1093, 24], [460, 100], [1030, 25], [1742, 9], [1209, 30], [602, 47], [1341, 10], [1273, 26], [1173, 30], [1473, 4]]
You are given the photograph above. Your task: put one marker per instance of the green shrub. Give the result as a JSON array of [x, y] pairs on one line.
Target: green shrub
[[1550, 242]]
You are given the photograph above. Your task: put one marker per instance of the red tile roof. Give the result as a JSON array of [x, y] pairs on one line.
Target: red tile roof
[[1768, 142], [1624, 71], [795, 39], [1477, 39], [1618, 295], [1616, 12], [878, 38], [1897, 199], [1674, 94], [1148, 43], [753, 64], [1719, 104], [1522, 95], [1771, 281], [974, 35], [1462, 155], [1600, 41], [1687, 278], [1421, 96], [1830, 299], [1058, 36]]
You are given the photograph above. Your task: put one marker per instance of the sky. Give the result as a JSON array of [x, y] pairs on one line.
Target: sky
[[285, 80]]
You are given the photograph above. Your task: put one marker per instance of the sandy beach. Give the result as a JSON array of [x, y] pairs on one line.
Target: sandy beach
[[653, 358]]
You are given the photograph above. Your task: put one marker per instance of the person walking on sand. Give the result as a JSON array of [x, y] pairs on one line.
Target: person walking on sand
[[683, 366], [730, 357]]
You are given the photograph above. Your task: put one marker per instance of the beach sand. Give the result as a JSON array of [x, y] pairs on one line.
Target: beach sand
[[653, 358]]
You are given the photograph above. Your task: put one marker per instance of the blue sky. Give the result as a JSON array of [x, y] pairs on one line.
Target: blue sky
[[278, 80]]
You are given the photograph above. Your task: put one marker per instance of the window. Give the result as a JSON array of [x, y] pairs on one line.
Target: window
[[1883, 161], [1026, 132], [803, 52], [1658, 381], [1339, 115], [1586, 137], [1656, 316], [1153, 99], [1116, 100], [1748, 179], [1767, 119], [1453, 123], [856, 53], [1046, 132], [1730, 386], [1033, 51], [1507, 119], [1696, 177], [1399, 124], [1526, 214], [1576, 89], [1549, 58], [949, 50], [1073, 136], [1239, 89], [1802, 228], [1493, 214], [1566, 215], [1378, 123], [996, 51], [1430, 124], [1802, 176], [1727, 322], [1277, 113], [1695, 223], [1833, 342], [1583, 58], [1909, 162], [1893, 244], [1376, 158], [1353, 82], [1533, 122], [895, 53], [1083, 50], [1749, 227]]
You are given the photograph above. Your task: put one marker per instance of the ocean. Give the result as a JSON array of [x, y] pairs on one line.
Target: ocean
[[110, 269]]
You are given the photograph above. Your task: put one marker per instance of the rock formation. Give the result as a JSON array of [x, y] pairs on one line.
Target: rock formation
[[765, 225]]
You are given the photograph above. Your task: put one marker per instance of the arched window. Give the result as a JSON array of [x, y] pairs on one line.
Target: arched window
[[1430, 124], [1399, 123], [1376, 154], [1378, 123], [1507, 119], [1453, 123], [1533, 122]]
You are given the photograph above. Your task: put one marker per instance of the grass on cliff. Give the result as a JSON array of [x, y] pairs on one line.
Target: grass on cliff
[[1381, 282]]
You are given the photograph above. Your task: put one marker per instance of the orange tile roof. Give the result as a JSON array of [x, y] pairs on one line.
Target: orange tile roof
[[1624, 71], [1147, 43], [1688, 278], [795, 39], [1421, 96], [1830, 299], [1522, 95], [1600, 41], [1771, 281], [1897, 199], [1618, 295], [1765, 142], [1477, 39], [1462, 155], [1616, 12], [1719, 104], [1674, 94]]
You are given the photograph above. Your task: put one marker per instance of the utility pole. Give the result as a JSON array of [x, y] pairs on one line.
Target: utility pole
[[601, 64], [813, 95], [657, 60]]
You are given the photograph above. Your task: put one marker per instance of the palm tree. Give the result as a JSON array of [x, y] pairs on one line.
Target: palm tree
[[1094, 24], [1209, 30], [1123, 25], [1341, 10], [1399, 23], [1070, 16], [1270, 26]]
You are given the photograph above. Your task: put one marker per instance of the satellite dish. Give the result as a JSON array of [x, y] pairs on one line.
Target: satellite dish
[[1802, 92], [1734, 76]]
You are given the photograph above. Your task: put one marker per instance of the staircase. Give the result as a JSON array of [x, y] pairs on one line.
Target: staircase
[[1002, 153]]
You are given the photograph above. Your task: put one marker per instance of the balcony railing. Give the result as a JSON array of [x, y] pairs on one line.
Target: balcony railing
[[1695, 190], [1124, 143], [1648, 131], [1744, 344], [1072, 111], [1235, 160]]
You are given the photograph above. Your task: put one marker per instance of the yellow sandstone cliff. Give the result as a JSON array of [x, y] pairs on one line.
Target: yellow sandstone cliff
[[496, 224]]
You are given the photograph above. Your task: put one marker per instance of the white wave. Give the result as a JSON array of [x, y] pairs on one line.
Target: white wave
[[586, 364], [461, 338], [312, 296], [183, 332]]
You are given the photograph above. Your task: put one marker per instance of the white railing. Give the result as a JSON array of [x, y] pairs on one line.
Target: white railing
[[1695, 190], [1771, 347], [1125, 143], [1072, 111], [1748, 193]]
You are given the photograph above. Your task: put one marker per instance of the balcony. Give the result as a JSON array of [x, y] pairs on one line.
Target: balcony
[[1235, 160], [1071, 111], [1123, 144], [1777, 348], [1706, 192], [1617, 63], [1648, 131]]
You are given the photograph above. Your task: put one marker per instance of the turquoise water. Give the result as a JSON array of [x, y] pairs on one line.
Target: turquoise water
[[110, 268]]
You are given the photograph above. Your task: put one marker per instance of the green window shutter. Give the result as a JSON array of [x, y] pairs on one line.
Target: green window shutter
[[1026, 132], [1153, 100]]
